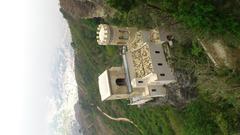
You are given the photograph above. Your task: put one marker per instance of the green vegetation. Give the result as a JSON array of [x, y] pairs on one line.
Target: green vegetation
[[217, 108], [212, 112], [203, 17], [206, 115], [122, 5]]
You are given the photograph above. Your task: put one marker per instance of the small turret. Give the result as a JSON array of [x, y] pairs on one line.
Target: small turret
[[103, 34], [112, 35]]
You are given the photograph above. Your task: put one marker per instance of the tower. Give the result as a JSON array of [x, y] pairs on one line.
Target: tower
[[112, 84], [145, 70], [112, 35]]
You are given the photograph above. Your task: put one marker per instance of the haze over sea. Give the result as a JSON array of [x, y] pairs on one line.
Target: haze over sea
[[64, 92], [64, 95], [38, 87], [51, 103]]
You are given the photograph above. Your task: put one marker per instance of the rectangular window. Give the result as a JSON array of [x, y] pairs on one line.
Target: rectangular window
[[140, 81], [154, 90], [162, 74], [159, 64], [157, 51]]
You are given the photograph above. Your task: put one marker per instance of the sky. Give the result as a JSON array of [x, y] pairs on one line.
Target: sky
[[31, 31]]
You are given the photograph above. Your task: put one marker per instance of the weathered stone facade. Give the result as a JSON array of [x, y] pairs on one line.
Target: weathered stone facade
[[146, 71]]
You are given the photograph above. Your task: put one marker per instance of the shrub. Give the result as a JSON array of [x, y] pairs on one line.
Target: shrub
[[122, 5]]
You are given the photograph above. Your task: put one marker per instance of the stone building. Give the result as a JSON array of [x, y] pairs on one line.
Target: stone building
[[145, 70]]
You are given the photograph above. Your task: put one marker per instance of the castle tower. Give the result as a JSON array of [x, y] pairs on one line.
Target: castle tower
[[145, 70], [112, 84], [112, 35]]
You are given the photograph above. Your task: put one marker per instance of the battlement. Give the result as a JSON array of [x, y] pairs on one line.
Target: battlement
[[103, 34], [112, 35]]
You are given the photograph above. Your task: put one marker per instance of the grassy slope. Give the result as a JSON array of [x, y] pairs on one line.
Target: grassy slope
[[216, 111]]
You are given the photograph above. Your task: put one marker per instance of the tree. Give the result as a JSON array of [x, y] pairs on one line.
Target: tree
[[122, 5]]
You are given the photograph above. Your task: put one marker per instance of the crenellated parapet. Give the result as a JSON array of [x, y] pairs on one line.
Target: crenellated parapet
[[112, 35], [103, 34]]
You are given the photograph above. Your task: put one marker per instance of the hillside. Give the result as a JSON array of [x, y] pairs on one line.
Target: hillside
[[216, 110]]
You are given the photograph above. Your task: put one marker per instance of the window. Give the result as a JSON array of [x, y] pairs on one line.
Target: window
[[121, 43], [123, 35], [140, 81], [157, 51], [122, 31], [159, 64], [120, 82], [162, 74], [154, 90]]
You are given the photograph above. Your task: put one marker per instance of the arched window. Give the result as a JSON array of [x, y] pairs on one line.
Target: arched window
[[121, 43], [120, 82], [123, 35]]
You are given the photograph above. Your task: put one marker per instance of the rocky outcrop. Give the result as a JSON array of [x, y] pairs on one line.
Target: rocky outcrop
[[221, 54], [86, 8], [180, 93]]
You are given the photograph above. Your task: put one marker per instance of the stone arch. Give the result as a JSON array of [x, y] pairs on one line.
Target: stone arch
[[120, 82]]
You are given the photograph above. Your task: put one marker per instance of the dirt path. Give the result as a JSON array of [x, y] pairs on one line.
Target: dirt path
[[220, 54], [119, 119]]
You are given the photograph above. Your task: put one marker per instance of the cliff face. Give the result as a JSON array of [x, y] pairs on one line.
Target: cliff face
[[86, 8]]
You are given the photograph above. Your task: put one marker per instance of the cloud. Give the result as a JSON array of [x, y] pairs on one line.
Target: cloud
[[52, 110]]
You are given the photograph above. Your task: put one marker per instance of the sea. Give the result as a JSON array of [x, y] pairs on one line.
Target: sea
[[62, 120]]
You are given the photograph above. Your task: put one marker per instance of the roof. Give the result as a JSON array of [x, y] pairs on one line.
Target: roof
[[104, 85], [141, 58]]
